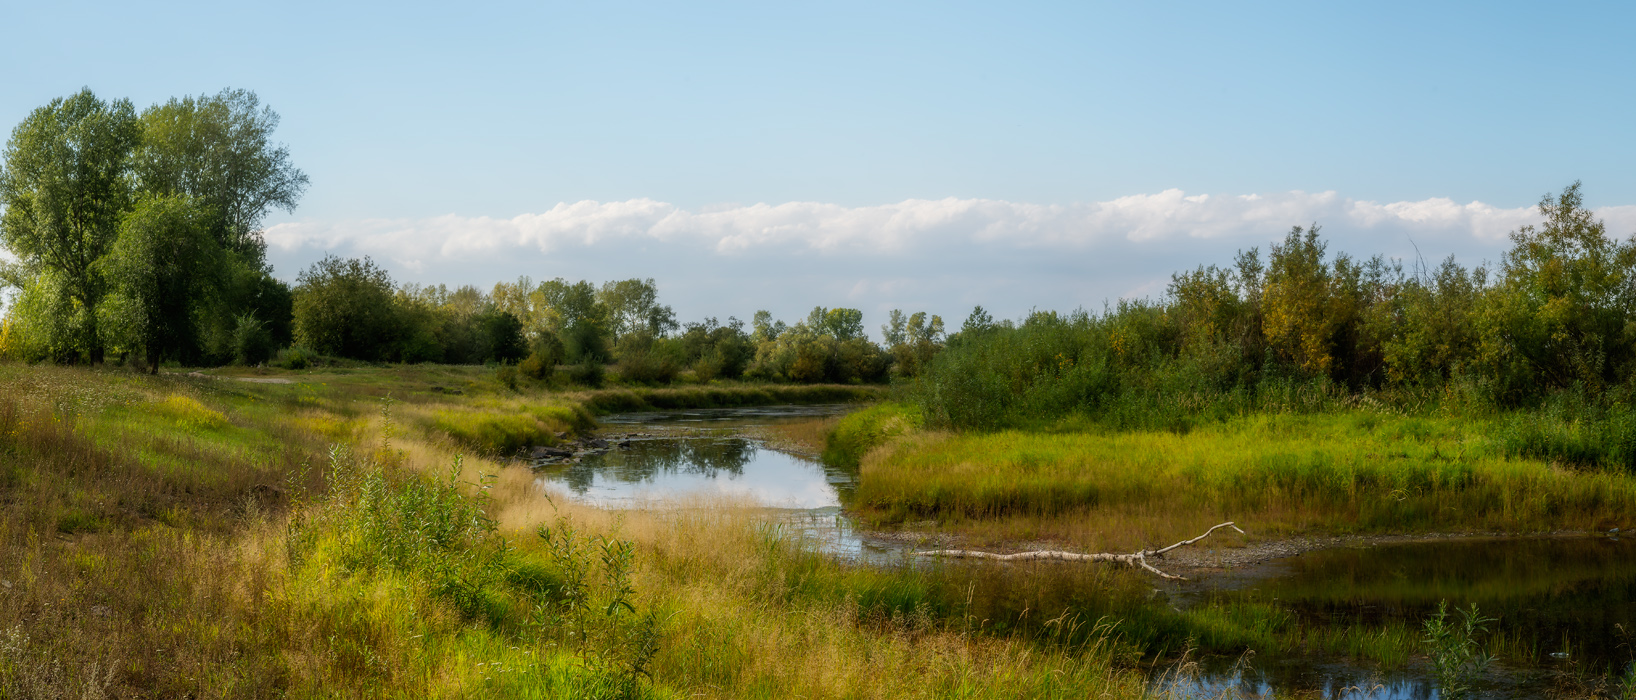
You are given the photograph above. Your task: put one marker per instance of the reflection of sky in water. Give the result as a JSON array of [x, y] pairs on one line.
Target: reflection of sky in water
[[678, 468], [681, 467]]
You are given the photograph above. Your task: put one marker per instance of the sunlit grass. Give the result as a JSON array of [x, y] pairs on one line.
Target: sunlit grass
[[1277, 473]]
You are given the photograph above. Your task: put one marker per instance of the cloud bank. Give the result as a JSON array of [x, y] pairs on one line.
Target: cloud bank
[[941, 255]]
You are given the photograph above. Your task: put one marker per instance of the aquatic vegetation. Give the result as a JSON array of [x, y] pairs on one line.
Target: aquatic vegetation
[[1457, 657]]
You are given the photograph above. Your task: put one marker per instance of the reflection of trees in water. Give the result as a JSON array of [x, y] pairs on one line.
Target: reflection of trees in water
[[646, 459]]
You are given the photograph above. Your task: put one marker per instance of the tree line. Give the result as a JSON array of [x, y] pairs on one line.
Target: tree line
[[137, 240], [1556, 317], [351, 308]]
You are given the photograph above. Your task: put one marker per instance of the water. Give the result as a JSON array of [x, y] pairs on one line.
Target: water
[[1562, 607], [672, 457], [1550, 596]]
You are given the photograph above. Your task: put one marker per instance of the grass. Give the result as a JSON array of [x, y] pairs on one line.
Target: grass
[[1353, 471], [173, 536], [177, 536]]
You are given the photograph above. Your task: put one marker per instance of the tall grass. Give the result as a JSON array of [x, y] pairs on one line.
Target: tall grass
[[1358, 471], [250, 559]]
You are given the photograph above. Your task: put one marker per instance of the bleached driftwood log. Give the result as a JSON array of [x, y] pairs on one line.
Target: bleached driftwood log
[[1137, 559]]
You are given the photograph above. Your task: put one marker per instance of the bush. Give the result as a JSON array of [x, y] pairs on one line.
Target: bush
[[588, 373], [346, 308], [536, 366], [861, 431], [507, 375], [252, 342], [294, 358], [644, 367]]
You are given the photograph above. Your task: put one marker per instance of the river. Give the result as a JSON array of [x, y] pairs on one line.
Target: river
[[1564, 607]]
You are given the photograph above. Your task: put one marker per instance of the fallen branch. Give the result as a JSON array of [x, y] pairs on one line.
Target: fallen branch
[[1137, 559]]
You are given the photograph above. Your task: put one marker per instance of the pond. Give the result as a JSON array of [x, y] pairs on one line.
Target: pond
[[1563, 606], [663, 458]]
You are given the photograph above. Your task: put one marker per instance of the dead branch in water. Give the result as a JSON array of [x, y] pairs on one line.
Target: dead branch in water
[[1137, 559]]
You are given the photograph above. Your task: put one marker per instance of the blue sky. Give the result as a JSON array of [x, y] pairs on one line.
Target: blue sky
[[907, 154]]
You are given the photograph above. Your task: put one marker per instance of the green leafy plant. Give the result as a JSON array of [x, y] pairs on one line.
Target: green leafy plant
[[1458, 660], [599, 616]]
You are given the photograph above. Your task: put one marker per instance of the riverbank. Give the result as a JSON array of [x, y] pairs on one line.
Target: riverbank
[[1282, 477], [332, 537]]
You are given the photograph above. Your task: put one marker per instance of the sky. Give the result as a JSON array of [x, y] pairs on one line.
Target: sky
[[924, 156]]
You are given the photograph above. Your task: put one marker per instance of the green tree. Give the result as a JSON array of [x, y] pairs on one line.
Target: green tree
[[1562, 312], [160, 268], [912, 340], [633, 308], [580, 318], [64, 189], [345, 307], [218, 150], [1296, 300], [837, 323]]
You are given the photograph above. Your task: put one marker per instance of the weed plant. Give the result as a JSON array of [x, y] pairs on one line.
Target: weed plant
[[1457, 657]]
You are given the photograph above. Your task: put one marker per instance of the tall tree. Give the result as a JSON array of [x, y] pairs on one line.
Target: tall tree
[[346, 307], [633, 307], [64, 189], [219, 151], [159, 270]]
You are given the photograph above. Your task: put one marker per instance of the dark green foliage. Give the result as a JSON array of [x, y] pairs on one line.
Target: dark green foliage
[[913, 340], [1307, 330], [162, 265], [78, 168], [345, 308], [1573, 430], [716, 351], [501, 337], [808, 354], [588, 374], [644, 399]]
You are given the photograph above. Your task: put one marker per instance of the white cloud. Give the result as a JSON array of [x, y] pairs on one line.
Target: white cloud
[[936, 253]]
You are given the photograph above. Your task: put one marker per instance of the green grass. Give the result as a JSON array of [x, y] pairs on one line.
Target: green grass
[[182, 537], [1350, 471], [859, 432]]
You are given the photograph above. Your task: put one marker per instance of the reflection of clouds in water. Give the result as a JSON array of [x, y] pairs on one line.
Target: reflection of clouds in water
[[670, 468]]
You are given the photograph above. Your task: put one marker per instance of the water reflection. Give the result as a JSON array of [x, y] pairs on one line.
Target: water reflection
[[715, 462], [1563, 606], [650, 469]]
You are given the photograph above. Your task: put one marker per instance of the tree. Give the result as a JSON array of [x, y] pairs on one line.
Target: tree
[[64, 189], [218, 150], [838, 323], [159, 269], [633, 307], [1295, 299], [345, 307], [912, 340], [1562, 312], [580, 318]]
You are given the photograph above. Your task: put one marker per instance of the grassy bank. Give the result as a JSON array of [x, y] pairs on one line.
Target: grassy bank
[[179, 536], [1349, 471]]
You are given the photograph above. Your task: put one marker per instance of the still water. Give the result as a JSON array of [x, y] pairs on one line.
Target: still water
[[677, 455], [1563, 606]]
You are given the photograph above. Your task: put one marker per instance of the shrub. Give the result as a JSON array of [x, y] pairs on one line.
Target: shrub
[[588, 373], [294, 358], [861, 431], [644, 367]]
